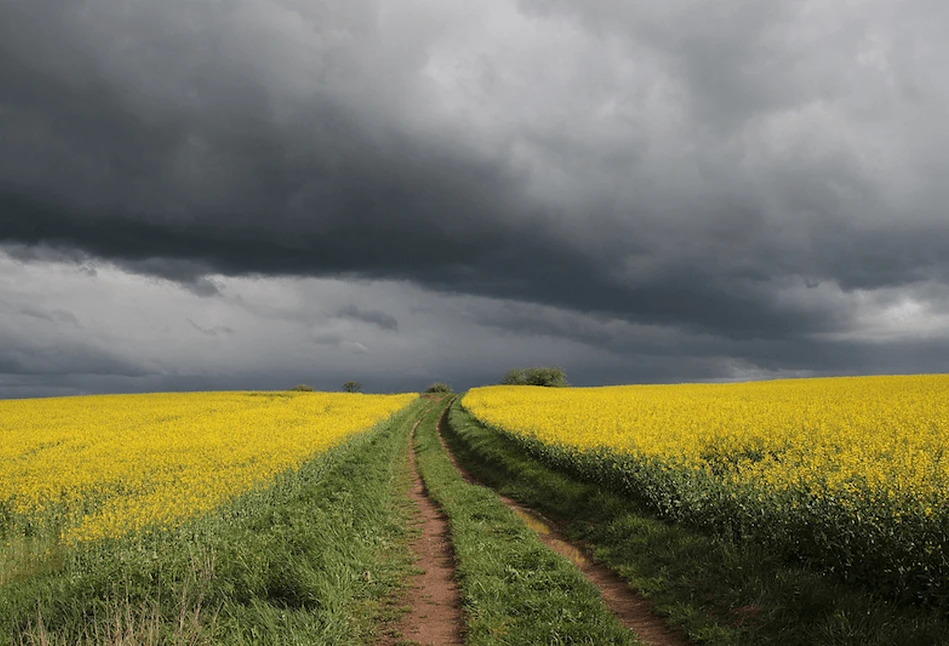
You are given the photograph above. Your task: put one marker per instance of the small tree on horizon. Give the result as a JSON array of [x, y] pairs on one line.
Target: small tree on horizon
[[551, 377], [352, 387], [438, 387]]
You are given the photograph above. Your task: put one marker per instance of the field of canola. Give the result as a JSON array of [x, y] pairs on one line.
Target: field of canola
[[849, 474], [106, 466]]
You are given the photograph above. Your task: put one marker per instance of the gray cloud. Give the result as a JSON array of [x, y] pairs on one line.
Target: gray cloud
[[337, 341], [55, 316], [216, 330], [373, 317], [726, 185], [64, 360]]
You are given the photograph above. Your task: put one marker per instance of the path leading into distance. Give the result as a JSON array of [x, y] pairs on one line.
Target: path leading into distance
[[435, 616]]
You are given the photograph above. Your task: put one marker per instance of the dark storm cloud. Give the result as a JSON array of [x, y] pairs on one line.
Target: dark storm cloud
[[662, 354], [521, 319], [682, 165], [504, 262]]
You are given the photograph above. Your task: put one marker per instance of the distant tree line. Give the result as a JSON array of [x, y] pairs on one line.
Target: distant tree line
[[349, 387], [536, 376], [549, 376]]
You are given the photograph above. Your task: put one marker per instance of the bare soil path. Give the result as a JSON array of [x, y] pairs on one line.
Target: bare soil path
[[434, 616], [632, 610]]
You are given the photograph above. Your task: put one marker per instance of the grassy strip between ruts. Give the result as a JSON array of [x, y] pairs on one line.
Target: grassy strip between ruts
[[310, 559], [514, 589], [716, 591]]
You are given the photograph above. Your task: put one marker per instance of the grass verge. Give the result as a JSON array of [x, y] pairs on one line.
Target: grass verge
[[714, 590], [514, 589], [310, 559]]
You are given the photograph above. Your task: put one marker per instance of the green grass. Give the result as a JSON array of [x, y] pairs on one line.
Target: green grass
[[714, 589], [514, 589], [311, 559]]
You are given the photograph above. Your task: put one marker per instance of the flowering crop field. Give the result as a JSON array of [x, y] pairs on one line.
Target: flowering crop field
[[107, 466], [845, 473]]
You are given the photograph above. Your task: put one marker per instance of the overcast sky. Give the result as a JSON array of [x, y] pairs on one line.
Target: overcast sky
[[202, 194]]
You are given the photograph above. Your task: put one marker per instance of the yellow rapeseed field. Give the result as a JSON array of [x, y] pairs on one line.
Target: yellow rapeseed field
[[841, 434], [850, 471], [105, 466]]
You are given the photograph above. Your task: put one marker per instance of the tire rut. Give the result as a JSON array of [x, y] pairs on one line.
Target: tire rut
[[434, 616]]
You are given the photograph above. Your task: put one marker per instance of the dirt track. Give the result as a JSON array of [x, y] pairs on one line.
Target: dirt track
[[630, 609], [434, 616]]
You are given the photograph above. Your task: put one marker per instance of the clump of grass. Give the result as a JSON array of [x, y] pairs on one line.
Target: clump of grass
[[125, 623]]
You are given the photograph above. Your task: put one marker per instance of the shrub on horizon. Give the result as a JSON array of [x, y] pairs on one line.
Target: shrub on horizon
[[352, 387], [536, 376]]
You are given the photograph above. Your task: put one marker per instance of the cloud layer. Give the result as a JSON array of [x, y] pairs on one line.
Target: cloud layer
[[755, 187]]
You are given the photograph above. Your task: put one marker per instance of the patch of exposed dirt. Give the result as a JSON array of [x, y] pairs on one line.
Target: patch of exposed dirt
[[434, 604], [631, 609]]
